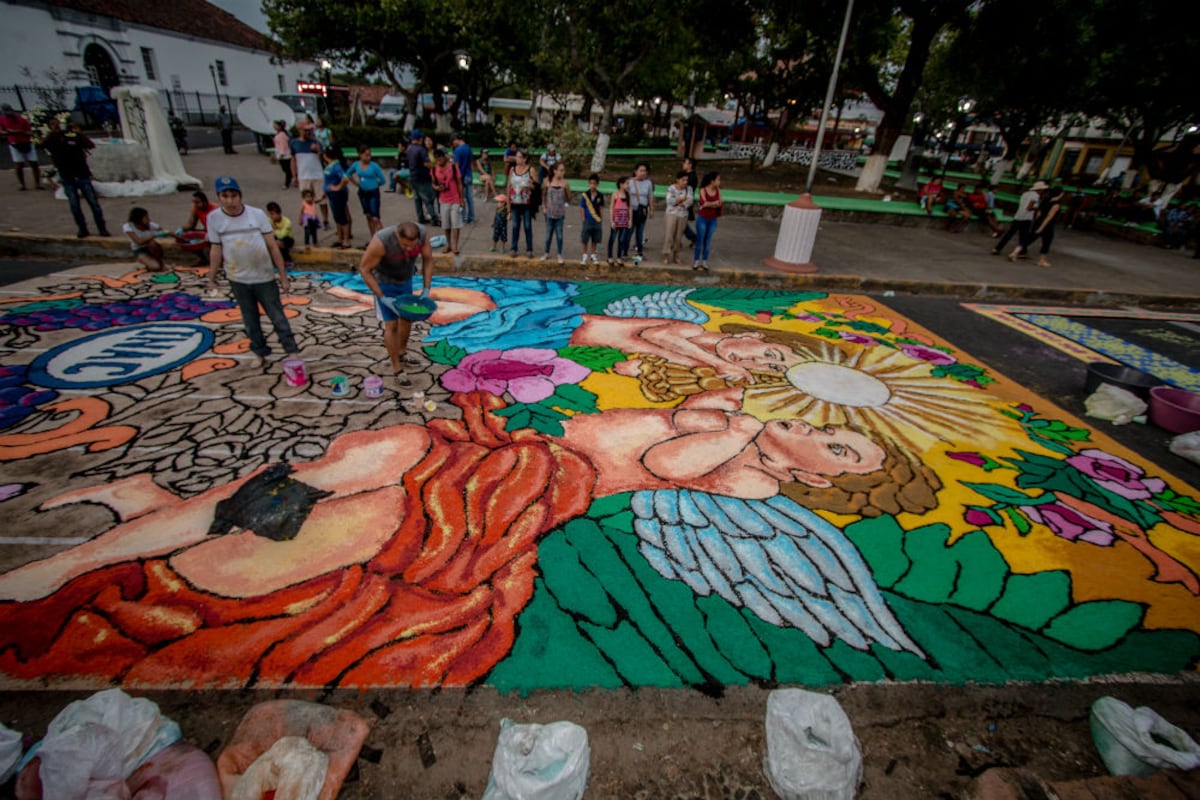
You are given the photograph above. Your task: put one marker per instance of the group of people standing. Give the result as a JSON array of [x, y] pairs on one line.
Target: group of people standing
[[630, 207], [1037, 214]]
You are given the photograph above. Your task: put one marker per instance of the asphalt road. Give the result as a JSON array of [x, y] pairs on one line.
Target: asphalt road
[[1047, 372]]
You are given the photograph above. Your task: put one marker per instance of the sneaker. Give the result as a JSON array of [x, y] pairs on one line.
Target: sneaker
[[546, 257], [584, 260], [637, 260], [104, 232], [403, 381], [560, 260], [595, 259]]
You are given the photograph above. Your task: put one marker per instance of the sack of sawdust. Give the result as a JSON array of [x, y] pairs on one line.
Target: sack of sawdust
[[1114, 404]]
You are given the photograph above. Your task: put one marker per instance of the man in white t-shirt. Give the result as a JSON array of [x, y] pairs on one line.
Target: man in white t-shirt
[[1022, 221], [243, 241]]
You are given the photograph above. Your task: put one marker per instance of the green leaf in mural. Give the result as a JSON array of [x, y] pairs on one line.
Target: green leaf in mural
[[828, 333], [753, 302], [597, 359], [1019, 521], [1095, 625], [1003, 494], [573, 397], [1177, 502], [442, 352], [541, 418]]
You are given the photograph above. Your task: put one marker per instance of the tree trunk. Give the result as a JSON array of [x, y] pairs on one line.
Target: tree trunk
[[772, 152], [606, 119], [872, 172]]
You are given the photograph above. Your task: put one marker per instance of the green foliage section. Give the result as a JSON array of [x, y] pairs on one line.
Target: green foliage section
[[753, 302], [601, 616], [442, 352], [595, 297], [597, 359], [1033, 600], [544, 415]]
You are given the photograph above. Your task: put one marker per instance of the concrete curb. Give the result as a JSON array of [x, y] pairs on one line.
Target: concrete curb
[[504, 266]]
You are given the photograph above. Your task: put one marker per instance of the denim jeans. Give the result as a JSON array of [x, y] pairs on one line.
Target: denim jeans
[[427, 213], [72, 187], [554, 228], [249, 297], [704, 234], [640, 215], [620, 237], [522, 217], [468, 200]]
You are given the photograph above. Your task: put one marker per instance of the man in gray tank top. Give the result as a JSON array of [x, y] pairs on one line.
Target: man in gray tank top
[[387, 267]]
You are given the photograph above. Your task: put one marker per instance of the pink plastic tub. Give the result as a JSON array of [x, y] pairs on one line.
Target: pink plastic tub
[[1175, 410]]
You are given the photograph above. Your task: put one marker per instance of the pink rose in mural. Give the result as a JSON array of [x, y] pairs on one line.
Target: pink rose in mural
[[938, 358], [528, 374], [857, 338], [1070, 524], [1116, 474]]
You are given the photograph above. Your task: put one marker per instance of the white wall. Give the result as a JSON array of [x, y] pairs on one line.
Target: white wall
[[31, 37]]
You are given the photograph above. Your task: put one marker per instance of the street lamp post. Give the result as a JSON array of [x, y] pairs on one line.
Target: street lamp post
[[798, 228], [326, 78], [916, 148]]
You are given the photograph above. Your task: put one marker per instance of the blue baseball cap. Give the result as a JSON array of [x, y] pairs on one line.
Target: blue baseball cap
[[416, 134], [226, 184]]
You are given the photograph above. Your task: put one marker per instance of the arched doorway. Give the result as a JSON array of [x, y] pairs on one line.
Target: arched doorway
[[100, 66]]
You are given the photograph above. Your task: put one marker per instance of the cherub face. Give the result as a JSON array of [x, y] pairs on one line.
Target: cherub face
[[749, 350], [812, 455]]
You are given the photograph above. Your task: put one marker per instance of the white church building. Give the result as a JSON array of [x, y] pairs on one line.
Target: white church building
[[199, 54]]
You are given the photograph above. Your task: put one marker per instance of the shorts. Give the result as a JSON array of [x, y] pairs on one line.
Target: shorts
[[953, 206], [389, 289], [20, 158], [339, 207], [369, 200], [141, 250], [591, 232], [451, 216], [317, 187]]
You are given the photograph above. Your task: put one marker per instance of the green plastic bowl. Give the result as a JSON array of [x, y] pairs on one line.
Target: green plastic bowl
[[412, 307]]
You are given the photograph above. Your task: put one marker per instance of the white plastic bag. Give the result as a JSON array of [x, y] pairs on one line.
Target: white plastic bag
[[142, 730], [1114, 404], [539, 762], [10, 752], [293, 768], [1187, 445], [1137, 741], [812, 753], [83, 761]]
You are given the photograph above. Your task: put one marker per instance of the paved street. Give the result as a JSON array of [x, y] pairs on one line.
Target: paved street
[[705, 485]]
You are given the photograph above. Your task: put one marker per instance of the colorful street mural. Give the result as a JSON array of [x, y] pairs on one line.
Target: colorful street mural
[[592, 485]]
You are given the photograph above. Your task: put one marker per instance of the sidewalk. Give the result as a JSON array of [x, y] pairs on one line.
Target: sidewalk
[[878, 257]]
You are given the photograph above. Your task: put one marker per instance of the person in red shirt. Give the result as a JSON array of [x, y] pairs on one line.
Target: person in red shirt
[[20, 144], [931, 194], [977, 203]]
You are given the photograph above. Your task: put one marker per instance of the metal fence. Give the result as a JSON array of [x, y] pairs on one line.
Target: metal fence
[[192, 107]]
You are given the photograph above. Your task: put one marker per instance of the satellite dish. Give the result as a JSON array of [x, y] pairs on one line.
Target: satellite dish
[[259, 114]]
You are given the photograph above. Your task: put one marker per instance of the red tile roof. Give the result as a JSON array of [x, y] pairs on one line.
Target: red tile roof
[[189, 17]]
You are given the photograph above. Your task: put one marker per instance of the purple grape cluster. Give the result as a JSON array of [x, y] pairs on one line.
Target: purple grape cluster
[[175, 307], [18, 401]]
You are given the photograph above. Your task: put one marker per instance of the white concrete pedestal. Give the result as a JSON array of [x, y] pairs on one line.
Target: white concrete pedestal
[[797, 233]]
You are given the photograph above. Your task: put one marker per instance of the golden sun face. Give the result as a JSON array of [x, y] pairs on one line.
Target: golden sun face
[[876, 389]]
